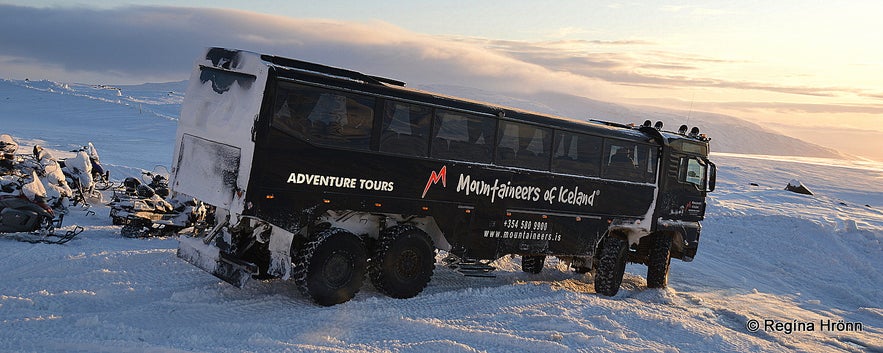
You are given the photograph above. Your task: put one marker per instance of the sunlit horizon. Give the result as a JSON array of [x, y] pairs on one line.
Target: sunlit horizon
[[806, 70]]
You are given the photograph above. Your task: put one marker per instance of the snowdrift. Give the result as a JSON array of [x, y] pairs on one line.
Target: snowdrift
[[766, 254]]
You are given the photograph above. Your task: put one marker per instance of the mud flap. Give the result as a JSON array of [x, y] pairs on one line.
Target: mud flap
[[280, 253], [209, 258]]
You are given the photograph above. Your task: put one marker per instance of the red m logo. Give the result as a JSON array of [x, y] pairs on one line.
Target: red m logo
[[434, 178]]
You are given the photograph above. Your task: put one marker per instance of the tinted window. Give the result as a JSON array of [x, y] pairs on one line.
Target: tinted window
[[577, 154], [629, 161], [523, 145], [405, 128], [693, 171], [647, 160], [324, 116], [462, 136]]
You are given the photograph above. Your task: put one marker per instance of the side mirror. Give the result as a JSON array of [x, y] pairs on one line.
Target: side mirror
[[712, 176]]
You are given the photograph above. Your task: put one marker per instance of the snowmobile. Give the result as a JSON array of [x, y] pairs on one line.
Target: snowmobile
[[24, 213], [85, 175], [58, 192], [100, 176], [133, 189], [8, 162], [146, 210]]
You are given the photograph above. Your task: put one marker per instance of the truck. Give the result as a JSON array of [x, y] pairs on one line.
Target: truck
[[326, 177]]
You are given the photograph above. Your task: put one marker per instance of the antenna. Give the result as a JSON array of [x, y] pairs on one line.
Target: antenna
[[690, 112]]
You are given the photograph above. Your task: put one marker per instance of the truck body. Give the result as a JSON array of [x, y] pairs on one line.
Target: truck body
[[324, 175]]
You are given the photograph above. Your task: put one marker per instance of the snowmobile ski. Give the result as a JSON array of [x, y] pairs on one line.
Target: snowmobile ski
[[51, 238]]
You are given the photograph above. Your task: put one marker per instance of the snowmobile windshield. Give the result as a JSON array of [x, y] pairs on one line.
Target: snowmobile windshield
[[162, 171]]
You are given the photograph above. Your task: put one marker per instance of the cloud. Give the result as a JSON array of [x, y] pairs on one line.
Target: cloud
[[639, 63], [119, 42], [133, 43]]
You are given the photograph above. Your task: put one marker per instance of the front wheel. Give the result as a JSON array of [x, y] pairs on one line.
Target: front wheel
[[611, 266], [330, 268], [659, 261]]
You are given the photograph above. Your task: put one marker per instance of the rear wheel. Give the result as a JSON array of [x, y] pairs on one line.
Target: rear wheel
[[403, 263], [533, 264], [659, 261], [611, 267], [330, 269]]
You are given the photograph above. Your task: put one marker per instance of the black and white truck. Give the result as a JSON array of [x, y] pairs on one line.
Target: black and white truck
[[327, 176]]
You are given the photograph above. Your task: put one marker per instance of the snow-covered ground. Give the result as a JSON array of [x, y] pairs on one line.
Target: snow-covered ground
[[765, 254]]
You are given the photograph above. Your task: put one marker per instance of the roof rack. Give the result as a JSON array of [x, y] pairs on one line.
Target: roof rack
[[610, 123], [308, 66]]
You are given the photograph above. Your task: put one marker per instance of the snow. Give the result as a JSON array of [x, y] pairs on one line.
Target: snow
[[199, 253], [224, 115], [765, 254], [33, 188]]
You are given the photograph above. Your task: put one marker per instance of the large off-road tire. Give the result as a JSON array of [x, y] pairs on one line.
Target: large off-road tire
[[659, 261], [533, 264], [330, 268], [403, 262], [611, 267]]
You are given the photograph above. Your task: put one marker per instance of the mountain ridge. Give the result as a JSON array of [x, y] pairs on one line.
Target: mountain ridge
[[135, 105], [728, 133]]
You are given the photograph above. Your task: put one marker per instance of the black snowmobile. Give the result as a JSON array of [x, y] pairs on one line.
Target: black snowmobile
[[27, 212], [25, 215], [146, 209]]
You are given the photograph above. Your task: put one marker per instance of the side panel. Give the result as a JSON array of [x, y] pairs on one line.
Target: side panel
[[214, 145], [484, 211]]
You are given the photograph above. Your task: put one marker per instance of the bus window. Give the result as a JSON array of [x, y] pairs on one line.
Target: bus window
[[462, 136], [647, 160], [630, 161], [619, 160], [523, 145], [405, 128], [577, 154], [324, 116]]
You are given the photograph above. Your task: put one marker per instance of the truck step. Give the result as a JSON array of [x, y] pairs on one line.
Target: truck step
[[471, 268]]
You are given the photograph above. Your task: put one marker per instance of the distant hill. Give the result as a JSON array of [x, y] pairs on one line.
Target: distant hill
[[141, 119], [728, 134], [126, 123]]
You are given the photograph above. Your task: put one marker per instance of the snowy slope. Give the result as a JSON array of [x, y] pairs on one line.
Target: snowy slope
[[138, 121], [765, 254]]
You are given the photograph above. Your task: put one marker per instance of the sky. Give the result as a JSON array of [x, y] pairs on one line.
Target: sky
[[808, 69]]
